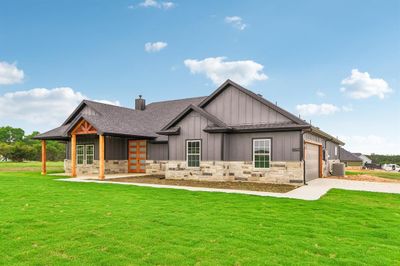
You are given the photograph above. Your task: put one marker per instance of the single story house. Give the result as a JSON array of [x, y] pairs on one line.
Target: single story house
[[348, 158], [365, 159], [232, 134]]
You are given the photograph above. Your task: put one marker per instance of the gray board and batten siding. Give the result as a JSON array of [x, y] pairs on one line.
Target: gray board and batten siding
[[234, 107], [285, 146], [235, 147], [191, 127]]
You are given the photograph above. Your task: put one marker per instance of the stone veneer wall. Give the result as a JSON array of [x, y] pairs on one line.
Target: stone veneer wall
[[279, 172], [156, 167], [110, 167]]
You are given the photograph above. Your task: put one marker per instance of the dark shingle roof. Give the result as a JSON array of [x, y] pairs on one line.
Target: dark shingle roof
[[346, 156], [116, 120], [159, 117]]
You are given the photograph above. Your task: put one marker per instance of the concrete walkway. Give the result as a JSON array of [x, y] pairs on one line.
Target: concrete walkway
[[96, 177], [313, 191]]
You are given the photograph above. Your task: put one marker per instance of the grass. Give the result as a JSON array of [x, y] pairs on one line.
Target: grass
[[48, 222], [52, 167], [382, 174]]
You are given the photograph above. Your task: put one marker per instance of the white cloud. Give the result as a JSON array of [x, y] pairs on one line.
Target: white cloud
[[40, 108], [236, 22], [157, 4], [10, 74], [167, 5], [317, 109], [243, 72], [347, 108], [368, 144], [311, 109], [151, 47], [321, 94], [360, 85]]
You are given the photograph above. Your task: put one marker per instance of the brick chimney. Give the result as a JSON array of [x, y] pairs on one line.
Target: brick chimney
[[140, 104]]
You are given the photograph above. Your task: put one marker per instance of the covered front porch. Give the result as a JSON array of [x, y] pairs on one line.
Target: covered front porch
[[91, 154]]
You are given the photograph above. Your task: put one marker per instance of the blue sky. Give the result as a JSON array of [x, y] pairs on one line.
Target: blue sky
[[337, 63]]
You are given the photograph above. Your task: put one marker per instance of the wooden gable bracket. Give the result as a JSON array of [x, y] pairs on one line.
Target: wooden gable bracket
[[84, 128]]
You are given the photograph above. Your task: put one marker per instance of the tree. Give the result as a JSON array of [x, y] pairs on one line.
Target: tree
[[5, 150], [17, 147], [19, 152], [9, 134]]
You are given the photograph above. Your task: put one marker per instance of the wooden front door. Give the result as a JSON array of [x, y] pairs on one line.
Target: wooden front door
[[137, 156]]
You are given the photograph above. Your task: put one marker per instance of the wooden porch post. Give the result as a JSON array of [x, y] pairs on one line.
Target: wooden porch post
[[101, 157], [44, 157], [73, 155]]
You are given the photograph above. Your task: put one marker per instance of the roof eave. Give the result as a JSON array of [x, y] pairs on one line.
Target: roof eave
[[323, 134]]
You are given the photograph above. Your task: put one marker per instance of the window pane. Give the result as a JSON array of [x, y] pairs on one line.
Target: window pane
[[79, 154], [79, 159], [261, 150], [193, 153], [79, 149], [89, 159]]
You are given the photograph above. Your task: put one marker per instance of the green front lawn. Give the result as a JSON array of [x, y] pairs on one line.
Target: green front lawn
[[383, 174], [48, 222], [52, 167]]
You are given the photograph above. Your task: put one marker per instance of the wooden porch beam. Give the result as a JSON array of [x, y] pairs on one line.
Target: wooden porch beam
[[44, 171], [73, 155], [101, 157]]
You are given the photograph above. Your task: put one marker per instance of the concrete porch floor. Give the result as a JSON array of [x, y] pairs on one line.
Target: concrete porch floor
[[96, 177]]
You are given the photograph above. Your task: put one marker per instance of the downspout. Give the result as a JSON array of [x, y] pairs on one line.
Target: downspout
[[302, 156]]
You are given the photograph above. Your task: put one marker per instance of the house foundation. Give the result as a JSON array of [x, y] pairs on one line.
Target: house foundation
[[110, 167], [279, 172]]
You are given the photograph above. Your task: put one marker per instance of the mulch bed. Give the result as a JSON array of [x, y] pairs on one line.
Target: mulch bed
[[240, 185]]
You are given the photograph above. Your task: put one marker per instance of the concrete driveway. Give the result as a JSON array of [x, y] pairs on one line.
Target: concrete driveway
[[319, 187]]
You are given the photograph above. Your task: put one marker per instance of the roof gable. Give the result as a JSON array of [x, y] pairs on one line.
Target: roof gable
[[230, 84], [187, 111], [85, 107]]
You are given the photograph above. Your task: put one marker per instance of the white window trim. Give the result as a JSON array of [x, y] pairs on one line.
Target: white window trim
[[84, 161], [77, 154], [254, 154], [86, 153], [187, 152]]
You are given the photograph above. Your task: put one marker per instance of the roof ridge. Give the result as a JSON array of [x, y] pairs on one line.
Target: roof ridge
[[113, 105], [177, 100]]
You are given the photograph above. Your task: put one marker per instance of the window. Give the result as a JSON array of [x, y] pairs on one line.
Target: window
[[89, 154], [335, 150], [85, 154], [193, 153], [261, 153], [80, 154]]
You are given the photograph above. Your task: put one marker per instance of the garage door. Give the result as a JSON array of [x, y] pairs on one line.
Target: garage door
[[311, 158]]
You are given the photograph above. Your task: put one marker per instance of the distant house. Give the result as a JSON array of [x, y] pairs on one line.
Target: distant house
[[348, 158], [365, 159], [232, 134]]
